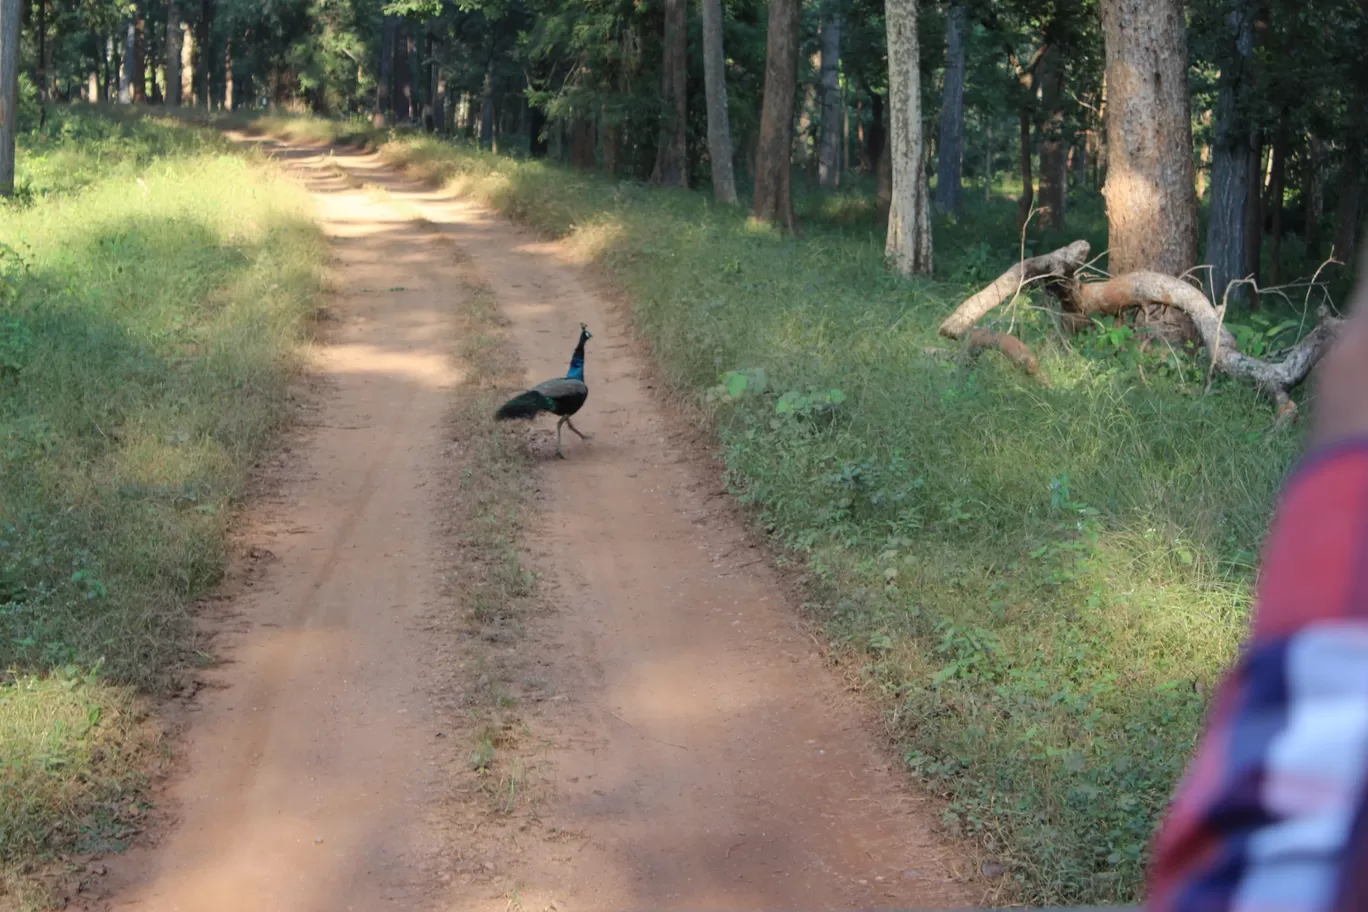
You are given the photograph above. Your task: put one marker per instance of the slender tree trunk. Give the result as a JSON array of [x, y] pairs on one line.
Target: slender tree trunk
[[1351, 184], [1254, 214], [1232, 157], [715, 92], [384, 103], [139, 53], [403, 100], [773, 166], [42, 29], [228, 98], [988, 160], [1277, 189], [829, 146], [951, 147], [93, 86], [9, 92], [1053, 177], [874, 136], [672, 151], [126, 64], [1314, 196], [1027, 198], [436, 82], [1151, 189], [909, 224], [536, 128], [203, 68], [487, 106]]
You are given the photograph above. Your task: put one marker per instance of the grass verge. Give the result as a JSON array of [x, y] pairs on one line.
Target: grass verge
[[154, 287], [1040, 582]]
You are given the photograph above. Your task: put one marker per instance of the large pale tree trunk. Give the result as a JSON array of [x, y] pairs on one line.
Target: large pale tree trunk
[[173, 55], [908, 246], [9, 91], [384, 103], [672, 152], [187, 64], [773, 165], [1232, 155], [1151, 185], [829, 146], [950, 149], [715, 90]]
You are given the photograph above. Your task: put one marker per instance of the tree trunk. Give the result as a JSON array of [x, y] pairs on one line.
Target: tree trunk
[[204, 69], [9, 91], [403, 74], [139, 75], [1313, 196], [1151, 188], [773, 166], [988, 160], [951, 147], [1232, 158], [1277, 188], [909, 225], [1351, 182], [715, 93], [874, 136], [536, 128], [187, 64], [126, 63], [672, 151], [487, 106], [42, 51], [1254, 220], [384, 103], [1027, 198], [1053, 176], [228, 99], [829, 145]]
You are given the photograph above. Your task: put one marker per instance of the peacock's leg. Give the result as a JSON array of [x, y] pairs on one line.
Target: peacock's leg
[[572, 427], [558, 437]]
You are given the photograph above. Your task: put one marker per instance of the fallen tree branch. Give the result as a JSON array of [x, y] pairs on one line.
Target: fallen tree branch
[[1063, 262], [1080, 301]]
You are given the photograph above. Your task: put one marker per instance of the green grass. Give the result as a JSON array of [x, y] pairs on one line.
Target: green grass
[[1040, 582], [153, 289]]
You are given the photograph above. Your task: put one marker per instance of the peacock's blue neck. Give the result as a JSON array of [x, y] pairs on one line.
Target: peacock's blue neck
[[577, 367]]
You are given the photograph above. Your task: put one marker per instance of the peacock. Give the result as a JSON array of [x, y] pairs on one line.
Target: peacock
[[563, 396]]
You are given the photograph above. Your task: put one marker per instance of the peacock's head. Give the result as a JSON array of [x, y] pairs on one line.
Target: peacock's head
[[585, 334]]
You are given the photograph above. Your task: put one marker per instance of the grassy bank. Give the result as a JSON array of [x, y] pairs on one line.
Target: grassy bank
[[153, 289], [1040, 582]]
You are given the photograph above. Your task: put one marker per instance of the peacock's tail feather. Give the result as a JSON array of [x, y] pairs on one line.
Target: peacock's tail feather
[[524, 405]]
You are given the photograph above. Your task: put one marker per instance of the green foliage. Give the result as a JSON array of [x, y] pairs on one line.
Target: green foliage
[[152, 289], [1040, 582]]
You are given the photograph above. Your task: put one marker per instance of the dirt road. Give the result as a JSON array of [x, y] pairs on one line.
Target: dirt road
[[685, 747]]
